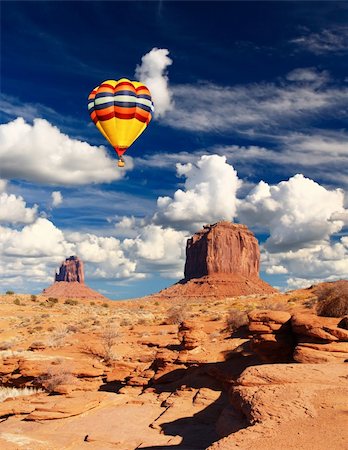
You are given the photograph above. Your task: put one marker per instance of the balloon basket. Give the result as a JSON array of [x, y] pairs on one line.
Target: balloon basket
[[121, 163]]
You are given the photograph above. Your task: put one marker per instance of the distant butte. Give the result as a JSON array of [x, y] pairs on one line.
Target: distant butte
[[222, 260], [69, 282]]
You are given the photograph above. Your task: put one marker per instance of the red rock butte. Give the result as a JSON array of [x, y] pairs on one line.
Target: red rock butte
[[222, 260], [69, 282]]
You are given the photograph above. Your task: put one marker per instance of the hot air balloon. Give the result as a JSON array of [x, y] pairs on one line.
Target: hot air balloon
[[121, 110]]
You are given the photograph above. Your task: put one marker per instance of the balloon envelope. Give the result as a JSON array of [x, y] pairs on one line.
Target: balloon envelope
[[121, 110]]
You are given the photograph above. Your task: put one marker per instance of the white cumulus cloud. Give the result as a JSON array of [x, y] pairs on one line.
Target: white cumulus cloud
[[41, 238], [160, 249], [13, 209], [41, 153], [296, 213], [153, 73], [209, 195], [57, 198]]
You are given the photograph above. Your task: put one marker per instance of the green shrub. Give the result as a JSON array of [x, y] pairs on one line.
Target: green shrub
[[9, 292], [71, 302], [33, 298], [333, 299]]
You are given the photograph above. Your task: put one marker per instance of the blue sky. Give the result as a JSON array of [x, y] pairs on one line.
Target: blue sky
[[251, 106]]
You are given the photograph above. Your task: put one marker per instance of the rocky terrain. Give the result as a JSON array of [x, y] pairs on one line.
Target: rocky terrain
[[256, 371]]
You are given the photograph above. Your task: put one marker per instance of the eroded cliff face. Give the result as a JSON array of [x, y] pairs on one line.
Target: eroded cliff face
[[222, 260], [222, 248], [69, 282], [71, 270]]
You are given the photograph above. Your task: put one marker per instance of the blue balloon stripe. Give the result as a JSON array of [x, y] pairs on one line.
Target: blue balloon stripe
[[103, 105], [131, 93], [144, 107], [148, 97], [125, 104]]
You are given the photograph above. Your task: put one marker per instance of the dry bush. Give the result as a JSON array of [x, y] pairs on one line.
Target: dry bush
[[71, 302], [176, 315], [55, 375], [105, 351], [274, 306], [57, 338], [108, 340], [7, 345], [333, 299], [125, 322], [236, 319]]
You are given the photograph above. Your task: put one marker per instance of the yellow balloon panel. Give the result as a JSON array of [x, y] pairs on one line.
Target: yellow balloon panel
[[121, 110]]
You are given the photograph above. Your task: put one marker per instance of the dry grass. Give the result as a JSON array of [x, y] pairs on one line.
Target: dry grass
[[333, 299], [11, 392], [176, 315], [236, 319], [56, 375]]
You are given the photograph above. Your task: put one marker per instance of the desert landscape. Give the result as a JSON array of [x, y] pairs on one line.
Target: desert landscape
[[173, 225], [220, 360]]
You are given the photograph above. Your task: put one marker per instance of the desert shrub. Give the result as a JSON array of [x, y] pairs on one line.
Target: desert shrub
[[333, 299], [156, 303], [92, 303], [33, 298], [9, 292], [54, 376], [16, 301], [57, 338], [274, 306], [125, 322], [43, 304], [236, 319], [108, 340], [176, 315], [310, 302], [52, 300], [105, 305], [7, 345], [71, 302], [72, 329]]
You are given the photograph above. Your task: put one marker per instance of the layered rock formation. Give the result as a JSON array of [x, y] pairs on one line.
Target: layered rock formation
[[272, 340], [71, 270], [222, 248], [70, 282], [306, 338], [222, 260]]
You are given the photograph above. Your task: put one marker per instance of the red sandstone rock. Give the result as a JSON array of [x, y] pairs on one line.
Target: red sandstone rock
[[222, 248], [71, 270], [69, 282], [190, 335], [325, 328], [222, 260], [65, 289]]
